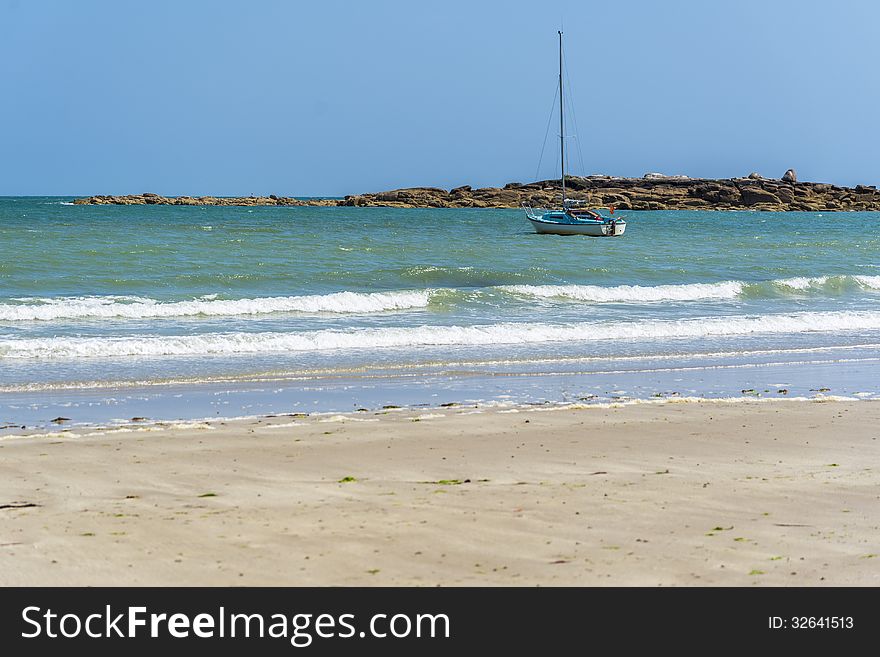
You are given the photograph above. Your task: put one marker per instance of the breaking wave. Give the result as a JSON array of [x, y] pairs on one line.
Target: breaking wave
[[828, 285], [111, 307], [134, 307], [379, 338], [630, 293]]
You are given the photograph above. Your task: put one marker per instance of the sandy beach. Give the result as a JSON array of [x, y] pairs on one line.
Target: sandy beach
[[748, 493]]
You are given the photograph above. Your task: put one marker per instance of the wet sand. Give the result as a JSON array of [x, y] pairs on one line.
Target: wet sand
[[750, 493]]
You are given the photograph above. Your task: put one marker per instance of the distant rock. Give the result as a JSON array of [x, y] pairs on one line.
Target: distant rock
[[754, 175], [663, 176], [753, 195], [655, 191], [789, 176]]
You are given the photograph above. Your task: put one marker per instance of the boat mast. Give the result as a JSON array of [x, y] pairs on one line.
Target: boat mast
[[561, 123]]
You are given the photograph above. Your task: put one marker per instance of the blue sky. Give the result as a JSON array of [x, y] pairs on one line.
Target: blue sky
[[331, 97]]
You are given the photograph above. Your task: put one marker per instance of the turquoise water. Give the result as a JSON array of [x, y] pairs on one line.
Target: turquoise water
[[165, 310]]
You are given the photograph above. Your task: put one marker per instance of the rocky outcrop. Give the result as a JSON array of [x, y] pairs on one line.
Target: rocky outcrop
[[789, 176], [653, 192], [154, 199]]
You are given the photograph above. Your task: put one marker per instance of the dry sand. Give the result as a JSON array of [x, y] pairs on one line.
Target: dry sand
[[775, 493]]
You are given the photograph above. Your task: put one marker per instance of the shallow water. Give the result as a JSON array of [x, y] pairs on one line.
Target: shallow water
[[105, 310]]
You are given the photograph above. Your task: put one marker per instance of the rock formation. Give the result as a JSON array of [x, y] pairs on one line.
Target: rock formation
[[653, 192]]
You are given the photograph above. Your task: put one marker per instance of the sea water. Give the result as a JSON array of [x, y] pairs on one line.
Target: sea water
[[110, 312]]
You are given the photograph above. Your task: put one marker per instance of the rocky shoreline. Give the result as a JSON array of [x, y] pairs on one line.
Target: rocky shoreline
[[651, 192]]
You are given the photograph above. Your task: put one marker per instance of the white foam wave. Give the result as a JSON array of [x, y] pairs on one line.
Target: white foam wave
[[136, 307], [378, 338], [688, 291], [802, 282], [872, 282], [127, 307], [631, 293]]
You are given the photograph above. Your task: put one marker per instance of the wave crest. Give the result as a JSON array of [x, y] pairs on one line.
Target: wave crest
[[126, 307], [630, 293], [379, 338]]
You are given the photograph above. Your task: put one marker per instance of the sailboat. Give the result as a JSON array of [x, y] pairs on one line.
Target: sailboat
[[572, 218]]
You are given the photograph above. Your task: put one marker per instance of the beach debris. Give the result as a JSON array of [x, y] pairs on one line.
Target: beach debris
[[389, 406], [20, 505], [373, 571], [347, 480], [718, 529], [448, 404], [755, 571], [208, 495], [138, 419], [782, 391], [448, 482], [59, 420]]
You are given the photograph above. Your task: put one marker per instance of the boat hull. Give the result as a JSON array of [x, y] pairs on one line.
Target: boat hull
[[590, 229]]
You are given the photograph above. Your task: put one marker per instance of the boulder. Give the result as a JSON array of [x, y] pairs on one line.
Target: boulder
[[754, 175], [785, 194], [752, 195], [789, 176]]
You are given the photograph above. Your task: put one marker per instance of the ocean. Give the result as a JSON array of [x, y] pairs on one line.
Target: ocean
[[114, 312]]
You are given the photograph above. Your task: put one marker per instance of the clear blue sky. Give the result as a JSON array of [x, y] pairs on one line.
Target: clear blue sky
[[331, 97]]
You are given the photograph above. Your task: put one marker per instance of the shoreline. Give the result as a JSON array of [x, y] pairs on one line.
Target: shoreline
[[700, 493], [77, 430], [569, 383], [653, 192]]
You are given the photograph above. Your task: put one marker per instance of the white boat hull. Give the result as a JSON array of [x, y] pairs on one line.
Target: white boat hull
[[589, 228]]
